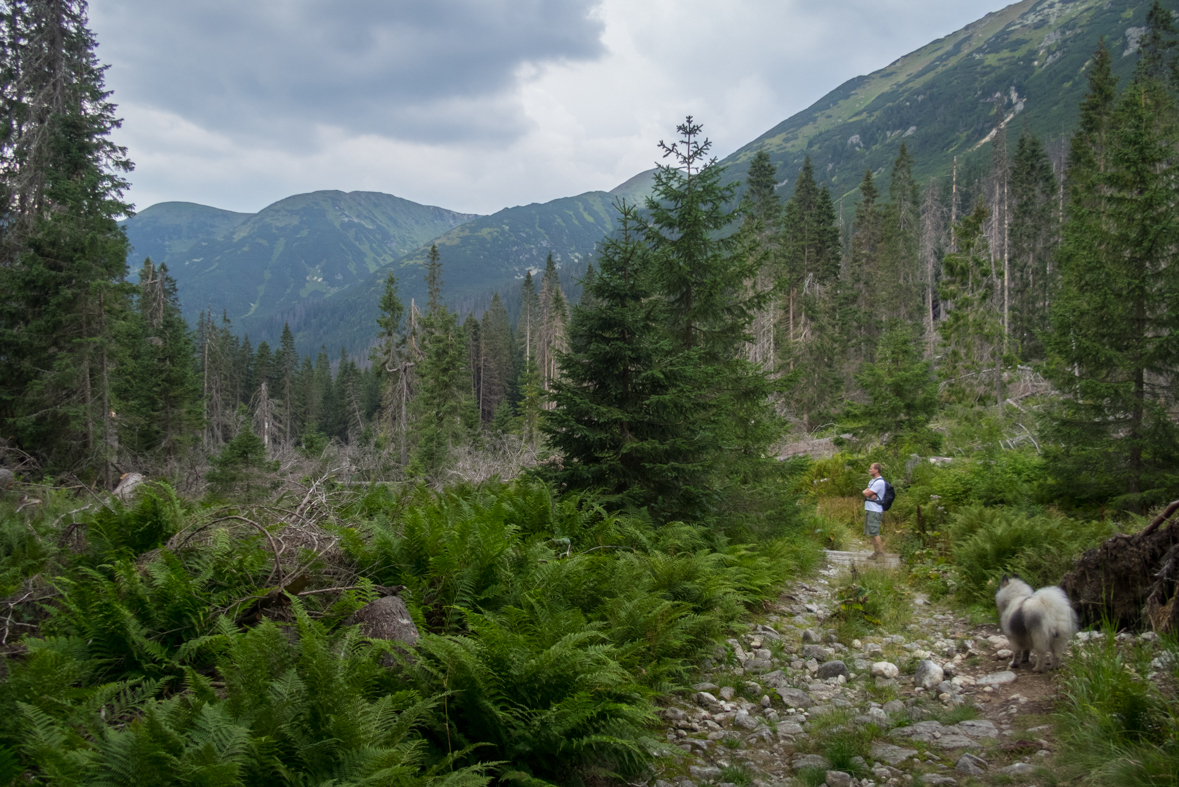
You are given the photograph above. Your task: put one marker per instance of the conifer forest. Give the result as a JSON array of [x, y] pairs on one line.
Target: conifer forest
[[571, 495]]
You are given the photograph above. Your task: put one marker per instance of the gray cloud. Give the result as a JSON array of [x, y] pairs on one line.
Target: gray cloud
[[435, 71]]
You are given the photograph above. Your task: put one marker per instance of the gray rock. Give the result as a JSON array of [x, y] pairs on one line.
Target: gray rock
[[885, 669], [765, 701], [704, 773], [809, 636], [838, 779], [816, 652], [1018, 769], [923, 731], [971, 765], [956, 741], [673, 714], [977, 728], [833, 669], [893, 755], [894, 706], [127, 485], [996, 678], [796, 698], [7, 479], [706, 687], [727, 693], [758, 665], [928, 674], [744, 721], [706, 699], [388, 619], [817, 761], [935, 779], [774, 680], [790, 728]]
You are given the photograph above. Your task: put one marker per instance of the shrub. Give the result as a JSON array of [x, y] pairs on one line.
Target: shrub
[[989, 542]]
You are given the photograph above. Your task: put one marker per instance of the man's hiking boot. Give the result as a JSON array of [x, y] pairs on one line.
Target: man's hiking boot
[[875, 556]]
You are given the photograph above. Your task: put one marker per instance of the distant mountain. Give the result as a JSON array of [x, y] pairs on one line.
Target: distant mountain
[[305, 247], [940, 101], [167, 231], [484, 254], [318, 261]]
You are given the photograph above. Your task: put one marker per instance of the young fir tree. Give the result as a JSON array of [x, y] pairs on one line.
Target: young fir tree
[[810, 351], [858, 301], [620, 402], [763, 227], [1033, 240], [495, 359], [901, 386], [62, 253], [160, 387], [701, 270], [971, 327], [443, 379], [288, 367], [396, 358], [896, 287], [1114, 346]]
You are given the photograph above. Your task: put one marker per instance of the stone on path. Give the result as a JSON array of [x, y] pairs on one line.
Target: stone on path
[[893, 755], [833, 669], [996, 678], [838, 779], [796, 698], [933, 779], [971, 765], [928, 674], [816, 761], [885, 669]]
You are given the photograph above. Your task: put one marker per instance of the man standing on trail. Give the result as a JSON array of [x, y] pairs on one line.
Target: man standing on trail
[[873, 511]]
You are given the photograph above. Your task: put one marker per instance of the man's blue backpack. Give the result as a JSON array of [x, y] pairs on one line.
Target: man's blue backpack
[[890, 495]]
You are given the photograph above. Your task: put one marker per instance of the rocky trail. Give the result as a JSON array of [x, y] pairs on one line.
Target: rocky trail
[[790, 703]]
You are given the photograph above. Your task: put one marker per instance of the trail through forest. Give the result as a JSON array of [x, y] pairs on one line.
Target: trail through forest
[[799, 700]]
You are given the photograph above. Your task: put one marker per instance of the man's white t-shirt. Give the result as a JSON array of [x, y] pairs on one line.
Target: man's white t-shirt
[[876, 486]]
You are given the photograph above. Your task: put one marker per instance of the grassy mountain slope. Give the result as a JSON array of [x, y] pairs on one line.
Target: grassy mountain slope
[[304, 247], [1029, 57], [484, 254], [166, 231]]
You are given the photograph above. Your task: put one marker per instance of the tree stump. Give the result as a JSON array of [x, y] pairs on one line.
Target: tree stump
[[1131, 581]]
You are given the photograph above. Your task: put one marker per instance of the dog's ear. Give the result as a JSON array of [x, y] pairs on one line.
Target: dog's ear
[[1003, 581], [1017, 576]]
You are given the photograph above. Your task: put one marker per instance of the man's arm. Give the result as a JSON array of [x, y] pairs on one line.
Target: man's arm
[[869, 494]]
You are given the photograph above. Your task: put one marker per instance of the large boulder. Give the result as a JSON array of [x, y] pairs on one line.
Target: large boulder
[[7, 479]]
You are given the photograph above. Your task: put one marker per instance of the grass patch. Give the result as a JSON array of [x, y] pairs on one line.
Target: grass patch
[[1116, 727], [871, 599], [739, 775], [951, 716]]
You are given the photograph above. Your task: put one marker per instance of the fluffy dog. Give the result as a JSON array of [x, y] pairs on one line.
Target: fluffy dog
[[1042, 621]]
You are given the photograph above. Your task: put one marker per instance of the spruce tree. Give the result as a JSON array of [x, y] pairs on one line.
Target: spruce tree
[[1033, 241], [622, 397], [62, 254], [160, 387], [495, 359], [443, 379], [1114, 351], [899, 274]]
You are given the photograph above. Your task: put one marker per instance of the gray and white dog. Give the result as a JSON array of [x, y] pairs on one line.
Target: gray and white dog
[[1042, 621]]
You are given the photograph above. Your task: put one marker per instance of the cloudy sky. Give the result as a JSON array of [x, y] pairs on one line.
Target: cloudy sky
[[472, 105]]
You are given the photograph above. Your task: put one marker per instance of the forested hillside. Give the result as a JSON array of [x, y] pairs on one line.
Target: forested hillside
[[300, 249]]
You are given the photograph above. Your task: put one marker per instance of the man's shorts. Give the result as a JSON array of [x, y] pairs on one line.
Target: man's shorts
[[872, 521]]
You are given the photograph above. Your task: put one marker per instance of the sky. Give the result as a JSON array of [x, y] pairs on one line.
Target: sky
[[470, 105]]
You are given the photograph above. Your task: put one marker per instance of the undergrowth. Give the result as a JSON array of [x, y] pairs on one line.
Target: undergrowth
[[161, 643]]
